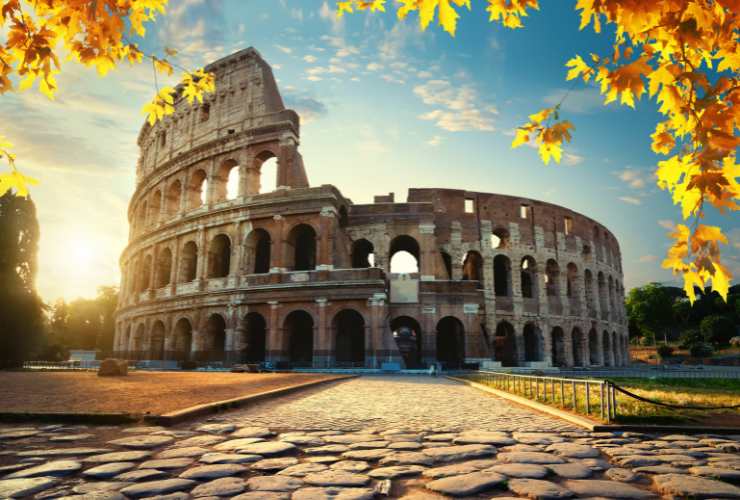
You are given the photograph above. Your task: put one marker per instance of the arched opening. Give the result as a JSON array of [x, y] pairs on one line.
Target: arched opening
[[610, 289], [571, 287], [174, 192], [145, 274], [138, 344], [473, 266], [155, 207], [616, 350], [505, 344], [552, 278], [298, 328], [608, 360], [164, 268], [404, 255], [254, 342], [588, 285], [577, 345], [183, 339], [559, 357], [593, 347], [141, 216], [502, 276], [215, 338], [219, 257], [258, 247], [123, 343], [447, 262], [188, 262], [349, 331], [231, 178], [601, 282], [156, 342], [343, 216], [532, 343], [197, 189], [500, 238], [528, 275], [268, 173], [363, 254], [450, 342], [302, 248], [407, 334]]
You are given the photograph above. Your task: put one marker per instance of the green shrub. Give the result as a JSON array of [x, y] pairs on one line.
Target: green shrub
[[690, 337], [701, 350], [647, 341], [717, 330], [665, 351]]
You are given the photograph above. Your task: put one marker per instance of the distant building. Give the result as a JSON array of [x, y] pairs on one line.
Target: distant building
[[302, 276]]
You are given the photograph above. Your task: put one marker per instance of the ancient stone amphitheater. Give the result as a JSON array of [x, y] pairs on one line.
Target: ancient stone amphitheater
[[221, 268]]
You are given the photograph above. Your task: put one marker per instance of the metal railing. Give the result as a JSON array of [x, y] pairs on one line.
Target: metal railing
[[660, 371], [591, 397]]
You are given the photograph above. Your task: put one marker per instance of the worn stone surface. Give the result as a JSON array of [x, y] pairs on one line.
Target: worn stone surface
[[614, 489], [530, 457], [336, 478], [151, 488], [54, 468], [466, 484], [142, 442], [213, 471], [459, 468], [120, 456], [681, 485], [109, 470], [619, 474], [301, 470], [273, 464], [221, 487], [333, 493], [538, 489], [525, 471], [396, 471], [21, 487], [274, 483], [571, 470]]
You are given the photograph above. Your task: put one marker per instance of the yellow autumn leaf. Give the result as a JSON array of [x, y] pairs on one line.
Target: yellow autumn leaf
[[578, 67]]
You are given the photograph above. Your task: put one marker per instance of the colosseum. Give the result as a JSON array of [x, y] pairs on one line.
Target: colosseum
[[222, 267]]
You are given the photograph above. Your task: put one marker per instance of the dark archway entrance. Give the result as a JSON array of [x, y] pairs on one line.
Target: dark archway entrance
[[254, 338], [298, 328], [532, 343], [349, 329], [156, 343], [215, 338], [362, 254], [183, 339], [505, 344], [407, 334], [450, 342], [302, 243], [557, 338]]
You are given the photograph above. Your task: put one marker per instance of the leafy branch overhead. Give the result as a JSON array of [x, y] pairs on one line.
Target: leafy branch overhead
[[95, 33], [684, 54]]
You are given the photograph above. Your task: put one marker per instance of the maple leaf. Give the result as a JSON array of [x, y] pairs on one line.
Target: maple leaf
[[578, 68]]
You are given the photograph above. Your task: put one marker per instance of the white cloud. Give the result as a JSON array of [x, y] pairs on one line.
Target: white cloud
[[347, 51], [283, 49], [434, 140], [647, 258], [634, 178], [631, 200], [667, 224], [424, 74], [457, 108], [373, 66], [572, 159], [310, 58], [393, 79]]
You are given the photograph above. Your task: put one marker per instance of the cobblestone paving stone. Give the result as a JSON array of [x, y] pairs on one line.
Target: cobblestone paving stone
[[338, 442]]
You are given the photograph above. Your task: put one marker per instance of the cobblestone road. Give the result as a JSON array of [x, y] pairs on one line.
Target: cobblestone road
[[422, 403]]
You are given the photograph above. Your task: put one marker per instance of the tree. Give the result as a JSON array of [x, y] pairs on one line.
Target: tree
[[651, 308], [96, 33], [107, 300], [717, 330], [686, 55], [21, 309]]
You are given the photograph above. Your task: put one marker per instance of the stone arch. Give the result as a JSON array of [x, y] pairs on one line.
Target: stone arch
[[533, 342], [407, 335], [139, 343], [398, 261], [616, 350], [447, 263], [163, 275], [189, 262], [571, 285], [254, 338], [142, 212], [265, 176], [226, 181], [505, 344], [502, 275], [174, 194], [349, 338], [593, 347], [450, 342], [145, 274], [610, 291], [601, 282], [588, 284], [363, 255], [552, 278], [215, 338], [578, 344], [298, 328], [473, 266], [156, 341], [528, 275], [301, 248], [219, 256], [557, 346], [197, 192], [606, 348], [183, 339], [155, 207], [500, 238], [257, 252]]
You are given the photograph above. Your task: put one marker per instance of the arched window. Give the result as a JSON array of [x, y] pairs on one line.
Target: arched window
[[407, 335], [450, 342], [473, 266], [505, 344], [302, 248], [183, 339], [363, 255], [528, 275], [298, 328], [174, 192], [197, 189], [145, 274], [164, 268], [188, 262], [607, 348], [502, 275], [254, 339], [215, 338], [139, 343], [552, 278], [593, 347], [500, 238], [219, 257], [349, 331], [578, 345], [257, 252], [404, 255], [268, 170], [156, 342], [610, 288], [558, 347], [141, 216], [572, 282], [155, 206], [226, 183], [532, 343], [447, 262], [601, 281], [588, 284]]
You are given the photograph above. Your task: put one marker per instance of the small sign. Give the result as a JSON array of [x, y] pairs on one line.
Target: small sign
[[470, 308], [429, 310]]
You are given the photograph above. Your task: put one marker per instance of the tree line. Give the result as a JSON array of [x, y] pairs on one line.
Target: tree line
[[29, 328]]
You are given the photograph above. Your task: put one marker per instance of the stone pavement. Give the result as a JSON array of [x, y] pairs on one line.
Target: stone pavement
[[394, 437]]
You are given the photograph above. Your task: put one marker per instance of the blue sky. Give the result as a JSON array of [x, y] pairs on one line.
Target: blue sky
[[384, 107]]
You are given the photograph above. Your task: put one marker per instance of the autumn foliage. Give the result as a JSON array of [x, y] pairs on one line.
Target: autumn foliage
[[684, 54]]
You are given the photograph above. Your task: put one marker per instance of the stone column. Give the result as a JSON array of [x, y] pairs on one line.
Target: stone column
[[277, 252], [427, 251], [274, 339], [323, 351], [327, 224]]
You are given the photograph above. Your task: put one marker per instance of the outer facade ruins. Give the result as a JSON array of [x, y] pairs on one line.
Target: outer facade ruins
[[222, 269]]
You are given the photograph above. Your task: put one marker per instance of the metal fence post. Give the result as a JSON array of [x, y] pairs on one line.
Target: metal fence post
[[575, 400], [588, 398], [601, 399]]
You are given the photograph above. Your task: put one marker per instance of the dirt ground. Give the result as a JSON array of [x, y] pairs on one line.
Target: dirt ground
[[142, 392]]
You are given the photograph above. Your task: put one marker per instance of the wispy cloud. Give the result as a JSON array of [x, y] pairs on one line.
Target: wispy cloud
[[647, 258], [308, 107], [634, 178], [667, 224], [457, 108], [631, 200], [435, 140]]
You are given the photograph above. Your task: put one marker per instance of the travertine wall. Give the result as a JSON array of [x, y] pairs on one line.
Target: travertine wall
[[282, 276]]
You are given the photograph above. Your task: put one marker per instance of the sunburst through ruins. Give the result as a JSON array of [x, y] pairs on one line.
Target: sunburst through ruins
[[301, 276]]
